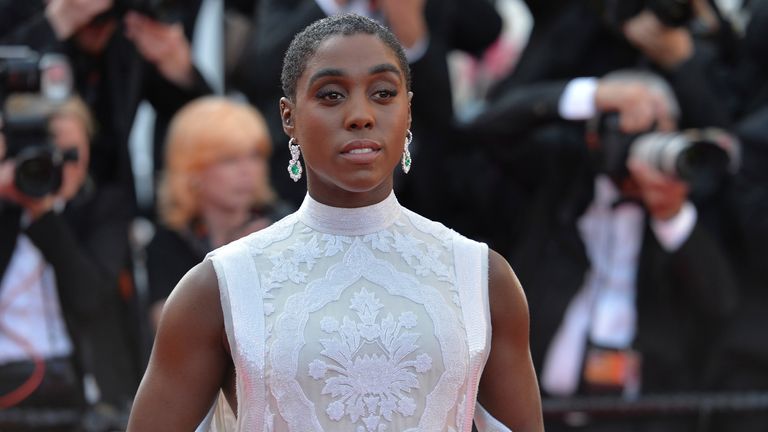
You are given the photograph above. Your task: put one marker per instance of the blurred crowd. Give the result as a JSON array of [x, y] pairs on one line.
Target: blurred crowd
[[613, 152]]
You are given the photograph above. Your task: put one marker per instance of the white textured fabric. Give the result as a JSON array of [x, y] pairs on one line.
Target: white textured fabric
[[604, 308], [30, 307], [208, 43], [366, 319], [485, 422], [578, 99], [672, 233]]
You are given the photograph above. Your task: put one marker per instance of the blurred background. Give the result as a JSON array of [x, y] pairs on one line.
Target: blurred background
[[614, 151]]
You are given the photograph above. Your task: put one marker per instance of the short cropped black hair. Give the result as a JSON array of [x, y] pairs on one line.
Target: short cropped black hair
[[304, 45]]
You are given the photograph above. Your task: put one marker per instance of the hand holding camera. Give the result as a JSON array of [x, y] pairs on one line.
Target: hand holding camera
[[68, 16], [639, 106], [164, 45], [662, 194], [406, 18], [32, 165], [9, 191], [664, 45], [636, 126]]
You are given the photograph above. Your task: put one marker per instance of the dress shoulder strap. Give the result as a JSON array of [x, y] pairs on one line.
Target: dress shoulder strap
[[471, 264], [242, 302]]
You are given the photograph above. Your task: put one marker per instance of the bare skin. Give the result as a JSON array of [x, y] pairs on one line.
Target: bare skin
[[668, 47], [640, 107], [405, 18], [349, 92], [508, 388]]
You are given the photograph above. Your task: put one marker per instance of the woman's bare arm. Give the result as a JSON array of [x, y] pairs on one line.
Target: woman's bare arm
[[189, 360], [508, 387]]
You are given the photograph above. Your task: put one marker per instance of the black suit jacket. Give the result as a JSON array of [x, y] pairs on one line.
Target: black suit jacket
[[87, 245], [570, 39], [681, 296]]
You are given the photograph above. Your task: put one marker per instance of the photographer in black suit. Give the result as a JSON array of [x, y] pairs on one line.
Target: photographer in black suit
[[63, 243], [622, 271]]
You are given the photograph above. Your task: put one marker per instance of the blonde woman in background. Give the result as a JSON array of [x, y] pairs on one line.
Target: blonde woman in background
[[215, 189]]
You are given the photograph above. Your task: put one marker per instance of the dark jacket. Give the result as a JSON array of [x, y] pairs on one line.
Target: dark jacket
[[87, 245]]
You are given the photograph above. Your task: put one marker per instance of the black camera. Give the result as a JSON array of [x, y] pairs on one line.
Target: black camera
[[672, 13], [30, 87], [161, 10], [39, 163], [700, 157]]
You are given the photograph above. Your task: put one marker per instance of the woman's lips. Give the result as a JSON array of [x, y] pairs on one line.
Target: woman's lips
[[361, 152]]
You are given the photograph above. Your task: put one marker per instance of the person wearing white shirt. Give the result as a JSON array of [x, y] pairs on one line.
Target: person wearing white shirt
[[620, 271]]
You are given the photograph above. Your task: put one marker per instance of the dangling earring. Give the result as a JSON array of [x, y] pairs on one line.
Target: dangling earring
[[294, 165], [405, 162]]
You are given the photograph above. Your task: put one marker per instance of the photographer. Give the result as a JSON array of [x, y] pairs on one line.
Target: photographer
[[683, 41], [120, 56], [625, 282], [62, 245]]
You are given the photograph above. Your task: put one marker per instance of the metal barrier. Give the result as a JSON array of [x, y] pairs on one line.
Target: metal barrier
[[682, 403], [39, 418], [97, 418]]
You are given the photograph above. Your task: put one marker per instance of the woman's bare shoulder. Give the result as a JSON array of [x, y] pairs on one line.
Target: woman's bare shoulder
[[195, 297], [509, 306]]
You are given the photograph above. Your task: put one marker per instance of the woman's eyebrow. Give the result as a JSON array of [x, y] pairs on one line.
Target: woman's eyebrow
[[384, 67], [325, 72], [335, 72]]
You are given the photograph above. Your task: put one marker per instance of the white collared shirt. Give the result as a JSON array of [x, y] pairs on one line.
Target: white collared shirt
[[30, 308], [603, 311]]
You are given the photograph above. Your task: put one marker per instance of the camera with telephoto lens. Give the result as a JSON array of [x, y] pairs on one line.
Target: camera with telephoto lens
[[672, 13], [700, 157], [31, 86]]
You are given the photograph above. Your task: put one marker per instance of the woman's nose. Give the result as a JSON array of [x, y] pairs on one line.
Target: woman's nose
[[360, 114]]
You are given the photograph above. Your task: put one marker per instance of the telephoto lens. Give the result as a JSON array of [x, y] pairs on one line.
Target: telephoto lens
[[702, 158]]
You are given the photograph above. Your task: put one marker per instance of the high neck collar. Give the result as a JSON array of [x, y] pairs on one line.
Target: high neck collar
[[349, 221]]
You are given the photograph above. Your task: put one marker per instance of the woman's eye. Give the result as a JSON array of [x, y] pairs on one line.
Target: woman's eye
[[329, 95], [386, 94]]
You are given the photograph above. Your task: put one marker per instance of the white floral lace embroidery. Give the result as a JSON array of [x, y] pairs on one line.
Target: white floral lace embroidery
[[370, 388], [293, 266], [269, 419]]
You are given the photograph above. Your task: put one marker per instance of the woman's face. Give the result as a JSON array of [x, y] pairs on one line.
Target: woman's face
[[350, 118], [231, 182]]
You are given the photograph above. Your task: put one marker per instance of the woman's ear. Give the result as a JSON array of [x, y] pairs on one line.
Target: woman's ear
[[410, 98], [286, 115]]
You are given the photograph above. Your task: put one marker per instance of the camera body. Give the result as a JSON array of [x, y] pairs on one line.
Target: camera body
[[700, 157], [30, 87], [672, 13], [161, 10]]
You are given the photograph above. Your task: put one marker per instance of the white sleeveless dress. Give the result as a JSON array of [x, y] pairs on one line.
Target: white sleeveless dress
[[366, 319]]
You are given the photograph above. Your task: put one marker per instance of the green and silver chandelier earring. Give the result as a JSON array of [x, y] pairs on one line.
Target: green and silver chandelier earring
[[405, 162], [294, 165]]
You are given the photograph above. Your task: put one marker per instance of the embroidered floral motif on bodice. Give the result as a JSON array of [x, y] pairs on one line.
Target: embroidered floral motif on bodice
[[370, 388], [362, 330]]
